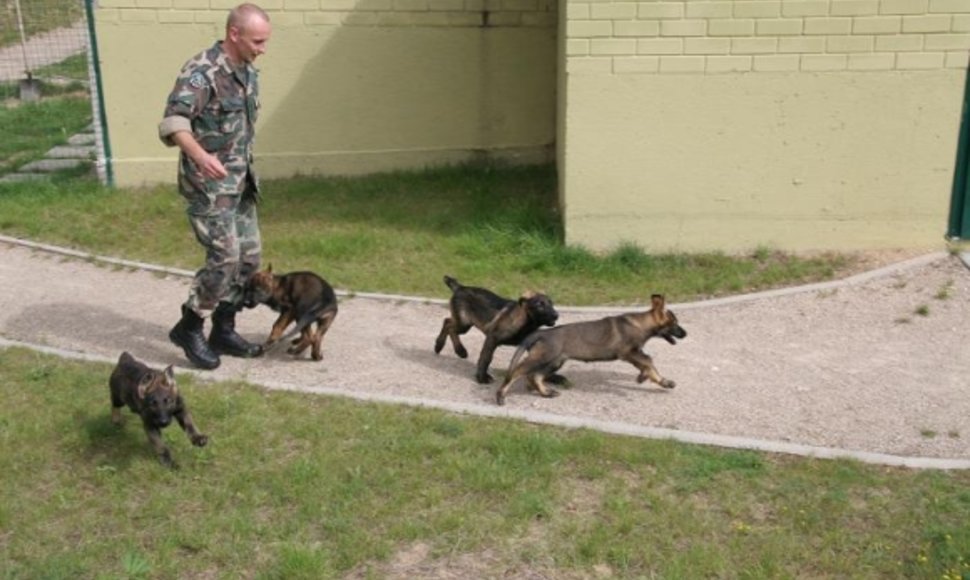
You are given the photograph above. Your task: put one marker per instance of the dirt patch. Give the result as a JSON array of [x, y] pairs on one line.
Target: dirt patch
[[416, 561]]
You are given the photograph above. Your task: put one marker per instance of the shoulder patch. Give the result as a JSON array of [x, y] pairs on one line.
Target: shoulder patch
[[197, 80]]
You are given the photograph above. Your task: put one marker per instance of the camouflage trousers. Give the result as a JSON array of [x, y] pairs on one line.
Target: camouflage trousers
[[227, 227]]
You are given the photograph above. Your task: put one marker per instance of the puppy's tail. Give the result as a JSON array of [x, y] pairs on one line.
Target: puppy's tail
[[452, 283], [523, 349], [306, 320]]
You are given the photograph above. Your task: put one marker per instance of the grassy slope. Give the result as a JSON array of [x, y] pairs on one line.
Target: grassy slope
[[300, 486]]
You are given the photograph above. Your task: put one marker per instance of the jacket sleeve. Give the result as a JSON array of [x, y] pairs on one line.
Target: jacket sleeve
[[186, 101]]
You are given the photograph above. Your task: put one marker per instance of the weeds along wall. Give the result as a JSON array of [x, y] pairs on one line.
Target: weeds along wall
[[726, 125], [347, 86]]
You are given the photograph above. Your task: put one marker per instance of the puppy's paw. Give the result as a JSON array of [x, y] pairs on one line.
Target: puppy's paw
[[200, 440], [296, 350], [461, 352], [557, 379], [166, 460], [551, 394], [484, 379], [668, 384]]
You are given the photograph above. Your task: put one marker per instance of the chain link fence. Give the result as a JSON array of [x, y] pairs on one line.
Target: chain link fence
[[45, 59], [43, 43]]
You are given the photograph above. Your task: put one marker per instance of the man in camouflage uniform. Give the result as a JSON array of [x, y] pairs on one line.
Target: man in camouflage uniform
[[210, 116]]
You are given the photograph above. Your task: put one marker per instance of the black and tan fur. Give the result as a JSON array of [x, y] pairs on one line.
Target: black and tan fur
[[153, 396], [301, 297], [612, 338], [503, 321]]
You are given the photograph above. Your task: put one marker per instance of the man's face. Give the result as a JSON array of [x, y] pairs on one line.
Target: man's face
[[250, 40]]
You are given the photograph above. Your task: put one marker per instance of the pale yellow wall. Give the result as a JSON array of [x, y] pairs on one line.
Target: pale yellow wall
[[727, 125], [677, 124], [347, 86]]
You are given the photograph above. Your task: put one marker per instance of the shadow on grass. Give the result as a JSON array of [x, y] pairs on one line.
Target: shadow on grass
[[448, 200], [113, 447]]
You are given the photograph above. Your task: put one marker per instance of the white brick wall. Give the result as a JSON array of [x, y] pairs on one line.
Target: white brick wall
[[389, 13], [727, 35], [730, 36]]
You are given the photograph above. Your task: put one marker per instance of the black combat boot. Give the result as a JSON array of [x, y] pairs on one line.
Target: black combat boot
[[224, 338], [187, 333]]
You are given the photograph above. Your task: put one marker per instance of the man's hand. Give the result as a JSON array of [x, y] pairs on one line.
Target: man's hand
[[208, 164]]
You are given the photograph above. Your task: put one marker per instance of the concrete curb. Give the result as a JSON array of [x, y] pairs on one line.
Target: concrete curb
[[740, 298], [569, 422]]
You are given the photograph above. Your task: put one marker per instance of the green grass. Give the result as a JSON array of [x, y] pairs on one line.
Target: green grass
[[401, 232], [72, 68], [31, 129], [38, 16], [302, 486], [945, 291], [10, 92], [68, 77]]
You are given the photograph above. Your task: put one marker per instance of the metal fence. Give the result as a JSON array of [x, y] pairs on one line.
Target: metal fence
[[46, 50], [43, 41]]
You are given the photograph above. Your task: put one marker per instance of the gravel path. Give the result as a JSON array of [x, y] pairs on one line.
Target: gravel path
[[876, 367]]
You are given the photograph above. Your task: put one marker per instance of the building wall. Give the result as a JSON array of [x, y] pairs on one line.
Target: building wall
[[348, 86], [731, 124]]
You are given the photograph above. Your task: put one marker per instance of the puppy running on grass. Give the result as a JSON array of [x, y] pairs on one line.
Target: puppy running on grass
[[153, 396]]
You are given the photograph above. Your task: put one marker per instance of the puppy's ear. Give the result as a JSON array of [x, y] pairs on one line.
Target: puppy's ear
[[169, 377], [527, 295], [657, 300], [144, 384]]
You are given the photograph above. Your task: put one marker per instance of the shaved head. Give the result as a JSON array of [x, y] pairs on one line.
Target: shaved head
[[241, 16]]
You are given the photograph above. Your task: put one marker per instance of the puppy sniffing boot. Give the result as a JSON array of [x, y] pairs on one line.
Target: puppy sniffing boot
[[188, 335], [224, 339]]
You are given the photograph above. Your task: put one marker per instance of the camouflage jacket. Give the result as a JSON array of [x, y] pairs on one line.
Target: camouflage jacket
[[219, 105]]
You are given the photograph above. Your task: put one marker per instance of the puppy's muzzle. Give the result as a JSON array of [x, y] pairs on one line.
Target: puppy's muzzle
[[253, 297], [672, 334]]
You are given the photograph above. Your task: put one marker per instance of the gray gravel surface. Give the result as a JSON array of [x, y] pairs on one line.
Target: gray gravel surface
[[878, 364]]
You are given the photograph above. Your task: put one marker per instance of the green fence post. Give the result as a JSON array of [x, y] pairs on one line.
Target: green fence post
[[102, 117], [959, 227]]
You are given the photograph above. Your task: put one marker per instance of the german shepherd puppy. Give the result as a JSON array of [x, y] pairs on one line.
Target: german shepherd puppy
[[154, 397], [614, 337], [300, 297], [504, 321]]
